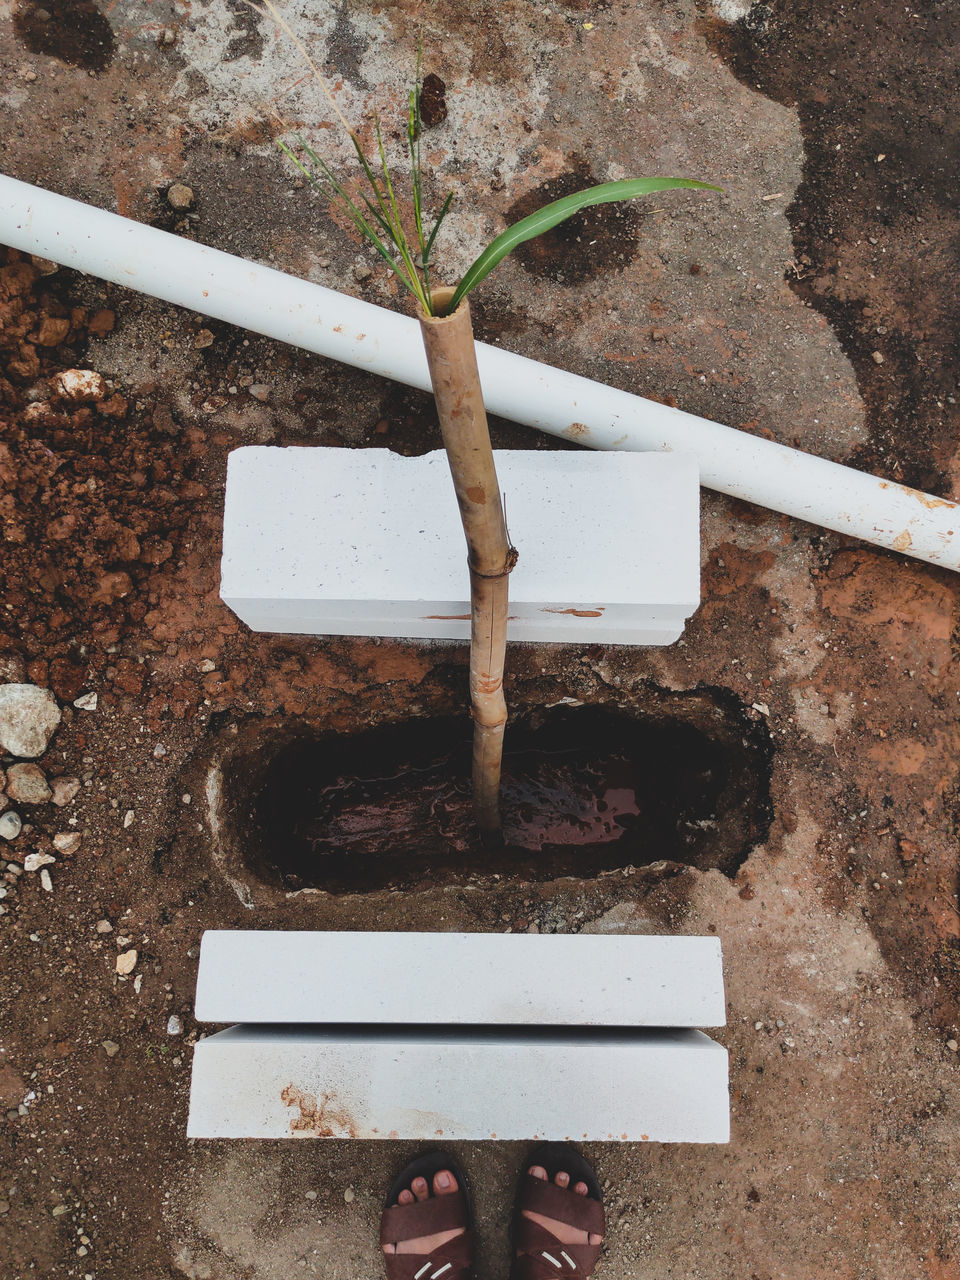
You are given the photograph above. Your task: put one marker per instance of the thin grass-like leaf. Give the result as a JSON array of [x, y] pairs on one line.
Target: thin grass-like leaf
[[558, 211], [333, 190], [444, 210]]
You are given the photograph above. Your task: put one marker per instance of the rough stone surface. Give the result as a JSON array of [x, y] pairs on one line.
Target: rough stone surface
[[27, 784], [80, 385], [63, 790], [29, 717]]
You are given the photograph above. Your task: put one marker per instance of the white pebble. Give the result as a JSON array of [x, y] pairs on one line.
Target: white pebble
[[10, 825], [174, 1025], [46, 881], [34, 861]]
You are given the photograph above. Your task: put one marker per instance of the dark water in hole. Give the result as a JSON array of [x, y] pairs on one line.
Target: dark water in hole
[[584, 791]]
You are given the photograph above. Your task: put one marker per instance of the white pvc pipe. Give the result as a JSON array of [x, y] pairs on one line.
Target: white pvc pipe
[[386, 343]]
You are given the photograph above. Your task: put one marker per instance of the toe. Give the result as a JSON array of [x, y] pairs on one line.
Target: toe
[[581, 1188], [444, 1183], [420, 1188], [594, 1239], [562, 1179], [405, 1197], [538, 1171]]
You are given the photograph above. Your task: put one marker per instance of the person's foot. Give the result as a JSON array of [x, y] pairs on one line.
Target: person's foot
[[561, 1230], [443, 1184]]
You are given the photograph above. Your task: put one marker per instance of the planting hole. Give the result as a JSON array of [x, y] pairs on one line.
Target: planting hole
[[585, 790]]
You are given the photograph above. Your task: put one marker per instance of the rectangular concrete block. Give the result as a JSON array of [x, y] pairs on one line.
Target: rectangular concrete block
[[283, 1082], [323, 541], [460, 978]]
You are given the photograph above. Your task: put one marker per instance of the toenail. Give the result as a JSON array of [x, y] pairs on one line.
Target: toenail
[[443, 1179]]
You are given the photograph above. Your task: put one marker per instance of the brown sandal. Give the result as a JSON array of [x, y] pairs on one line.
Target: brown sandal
[[541, 1255], [399, 1222]]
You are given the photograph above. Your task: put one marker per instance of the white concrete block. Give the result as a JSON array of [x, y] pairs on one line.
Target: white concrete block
[[366, 542], [283, 1082], [460, 978]]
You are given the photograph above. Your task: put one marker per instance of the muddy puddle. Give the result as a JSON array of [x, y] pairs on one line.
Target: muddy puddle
[[585, 790]]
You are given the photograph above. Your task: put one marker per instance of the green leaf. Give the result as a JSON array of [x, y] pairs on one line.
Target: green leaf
[[558, 211]]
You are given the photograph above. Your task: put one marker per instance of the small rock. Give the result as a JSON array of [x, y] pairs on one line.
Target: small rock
[[877, 357], [260, 391], [34, 861], [86, 702], [311, 1195], [952, 1046], [80, 385], [63, 790], [180, 196], [101, 323], [128, 819], [159, 751], [27, 784], [127, 961], [46, 266], [111, 1048], [29, 717], [206, 666], [349, 1195], [174, 1025], [203, 339], [45, 880], [60, 1210], [361, 272], [67, 841], [103, 926], [168, 36], [10, 825]]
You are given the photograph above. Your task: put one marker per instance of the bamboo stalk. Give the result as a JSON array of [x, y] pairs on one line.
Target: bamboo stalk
[[452, 360]]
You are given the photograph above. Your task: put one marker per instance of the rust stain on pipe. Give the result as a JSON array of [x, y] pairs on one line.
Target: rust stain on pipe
[[925, 499], [577, 613]]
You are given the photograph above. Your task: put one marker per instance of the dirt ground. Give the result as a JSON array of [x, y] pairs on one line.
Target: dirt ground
[[814, 302]]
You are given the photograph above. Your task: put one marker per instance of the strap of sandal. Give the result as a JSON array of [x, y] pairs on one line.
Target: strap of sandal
[[544, 1257], [423, 1218], [561, 1204], [451, 1261], [541, 1255]]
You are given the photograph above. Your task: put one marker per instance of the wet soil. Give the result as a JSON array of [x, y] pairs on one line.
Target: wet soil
[[876, 220], [593, 242], [585, 791], [74, 31]]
